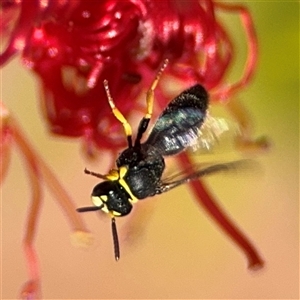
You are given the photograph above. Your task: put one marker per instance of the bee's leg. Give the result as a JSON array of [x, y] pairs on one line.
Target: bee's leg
[[118, 114], [150, 98]]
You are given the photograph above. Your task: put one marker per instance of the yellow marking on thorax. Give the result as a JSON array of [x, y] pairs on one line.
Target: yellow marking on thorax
[[113, 175], [122, 172], [119, 175]]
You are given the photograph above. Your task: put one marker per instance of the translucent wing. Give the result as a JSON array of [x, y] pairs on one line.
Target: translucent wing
[[178, 125], [216, 135], [196, 171]]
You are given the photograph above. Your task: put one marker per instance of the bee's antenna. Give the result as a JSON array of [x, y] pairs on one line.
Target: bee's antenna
[[89, 208], [115, 239], [86, 171]]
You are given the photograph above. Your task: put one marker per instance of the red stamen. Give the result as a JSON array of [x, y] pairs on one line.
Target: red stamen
[[207, 201]]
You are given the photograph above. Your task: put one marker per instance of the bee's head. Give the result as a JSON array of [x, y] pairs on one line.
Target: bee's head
[[110, 197]]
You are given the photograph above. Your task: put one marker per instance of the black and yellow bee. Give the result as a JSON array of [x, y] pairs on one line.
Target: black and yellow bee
[[140, 167]]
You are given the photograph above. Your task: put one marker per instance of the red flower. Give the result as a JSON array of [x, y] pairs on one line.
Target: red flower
[[74, 45]]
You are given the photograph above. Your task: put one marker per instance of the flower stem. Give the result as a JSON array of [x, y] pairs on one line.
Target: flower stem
[[37, 170], [206, 200]]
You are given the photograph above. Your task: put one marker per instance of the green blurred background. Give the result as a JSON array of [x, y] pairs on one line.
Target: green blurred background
[[182, 254]]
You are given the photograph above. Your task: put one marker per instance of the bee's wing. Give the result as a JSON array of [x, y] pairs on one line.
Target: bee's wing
[[217, 134], [178, 125], [196, 171]]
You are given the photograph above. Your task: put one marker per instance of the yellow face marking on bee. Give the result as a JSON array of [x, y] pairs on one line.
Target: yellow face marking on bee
[[100, 201], [105, 209], [115, 213], [103, 198], [97, 201]]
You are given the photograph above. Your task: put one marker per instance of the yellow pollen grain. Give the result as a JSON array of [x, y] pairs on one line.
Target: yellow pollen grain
[[82, 239]]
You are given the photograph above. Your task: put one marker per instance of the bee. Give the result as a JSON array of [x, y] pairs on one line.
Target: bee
[[140, 167]]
